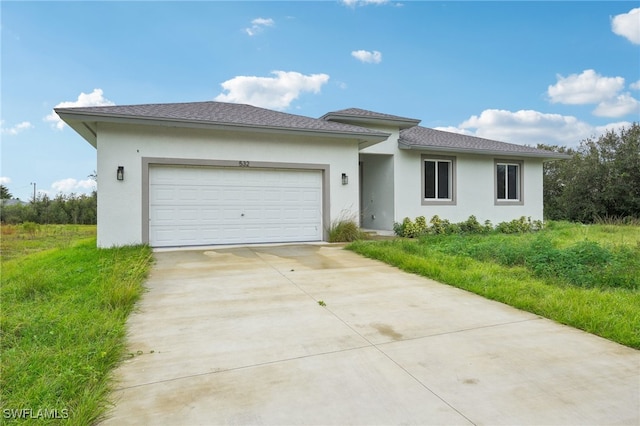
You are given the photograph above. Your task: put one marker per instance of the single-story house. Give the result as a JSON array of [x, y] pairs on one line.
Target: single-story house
[[206, 173]]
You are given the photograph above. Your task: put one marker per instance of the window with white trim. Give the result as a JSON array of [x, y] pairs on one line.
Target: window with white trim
[[509, 181], [438, 179]]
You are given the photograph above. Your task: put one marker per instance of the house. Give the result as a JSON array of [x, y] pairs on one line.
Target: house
[[9, 202], [206, 173]]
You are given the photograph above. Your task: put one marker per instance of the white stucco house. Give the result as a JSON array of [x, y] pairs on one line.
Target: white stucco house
[[206, 173]]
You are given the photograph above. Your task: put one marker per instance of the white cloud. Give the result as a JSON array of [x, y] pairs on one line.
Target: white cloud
[[374, 57], [95, 98], [20, 127], [619, 106], [453, 129], [635, 86], [528, 127], [627, 25], [258, 25], [5, 180], [601, 130], [271, 92], [586, 88], [72, 185]]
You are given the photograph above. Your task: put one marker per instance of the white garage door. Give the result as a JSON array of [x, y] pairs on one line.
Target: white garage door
[[208, 205]]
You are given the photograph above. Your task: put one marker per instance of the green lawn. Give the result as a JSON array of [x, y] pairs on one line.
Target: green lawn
[[584, 276], [64, 307]]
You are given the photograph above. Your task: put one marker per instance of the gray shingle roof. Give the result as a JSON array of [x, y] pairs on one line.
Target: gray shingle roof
[[219, 113], [437, 140], [251, 117], [363, 115]]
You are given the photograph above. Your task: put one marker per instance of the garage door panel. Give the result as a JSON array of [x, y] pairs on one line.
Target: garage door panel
[[311, 195], [271, 195], [271, 213], [210, 193], [206, 205]]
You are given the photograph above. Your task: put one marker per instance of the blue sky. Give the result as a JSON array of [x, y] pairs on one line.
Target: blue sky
[[520, 72]]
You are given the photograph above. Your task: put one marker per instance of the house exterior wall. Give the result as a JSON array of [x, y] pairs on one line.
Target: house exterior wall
[[389, 146], [475, 189], [120, 203], [399, 194], [377, 191]]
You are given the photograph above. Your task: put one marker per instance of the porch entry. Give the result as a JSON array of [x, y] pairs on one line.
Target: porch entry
[[376, 191]]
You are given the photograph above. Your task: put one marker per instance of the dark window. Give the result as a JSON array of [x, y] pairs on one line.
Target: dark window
[[512, 182], [502, 179], [508, 182], [437, 179], [443, 179], [429, 179]]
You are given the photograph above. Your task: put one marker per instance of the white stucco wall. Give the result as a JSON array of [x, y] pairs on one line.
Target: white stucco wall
[[389, 146], [475, 193], [475, 176], [120, 202]]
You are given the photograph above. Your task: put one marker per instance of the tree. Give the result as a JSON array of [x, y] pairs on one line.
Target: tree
[[601, 179], [62, 209], [4, 193], [554, 182]]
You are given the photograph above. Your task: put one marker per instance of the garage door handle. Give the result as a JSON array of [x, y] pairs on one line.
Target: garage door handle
[[242, 214]]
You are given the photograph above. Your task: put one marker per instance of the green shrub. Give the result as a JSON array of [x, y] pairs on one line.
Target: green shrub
[[410, 229], [398, 227], [519, 226], [438, 226], [31, 228]]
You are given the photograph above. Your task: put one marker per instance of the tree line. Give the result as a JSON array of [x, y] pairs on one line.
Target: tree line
[[76, 209], [600, 180]]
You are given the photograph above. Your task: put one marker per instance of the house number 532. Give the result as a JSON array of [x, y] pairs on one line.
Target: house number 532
[[243, 163]]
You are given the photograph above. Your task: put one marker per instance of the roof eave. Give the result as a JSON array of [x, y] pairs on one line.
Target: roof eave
[[544, 156], [81, 123]]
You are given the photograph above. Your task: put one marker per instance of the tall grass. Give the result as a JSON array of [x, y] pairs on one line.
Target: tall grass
[[24, 239], [63, 326], [587, 283], [345, 230]]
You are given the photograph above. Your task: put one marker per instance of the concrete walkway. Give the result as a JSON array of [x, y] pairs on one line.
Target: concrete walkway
[[237, 336]]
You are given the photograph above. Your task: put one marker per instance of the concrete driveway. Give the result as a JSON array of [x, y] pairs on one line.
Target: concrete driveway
[[237, 336]]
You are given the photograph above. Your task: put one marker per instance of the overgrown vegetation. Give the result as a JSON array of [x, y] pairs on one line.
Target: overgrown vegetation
[[30, 237], [437, 226], [344, 231], [63, 321], [601, 180], [584, 276], [61, 209]]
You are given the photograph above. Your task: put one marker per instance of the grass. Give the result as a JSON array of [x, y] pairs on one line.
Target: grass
[[345, 230], [20, 240], [64, 307], [584, 276]]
